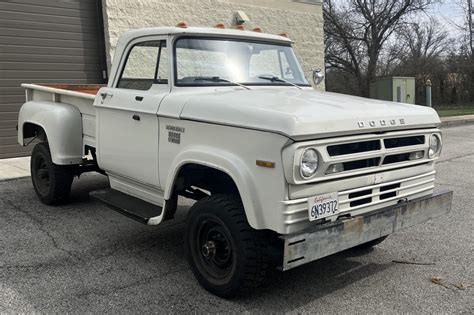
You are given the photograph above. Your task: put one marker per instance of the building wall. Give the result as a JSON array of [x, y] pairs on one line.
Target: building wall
[[303, 22]]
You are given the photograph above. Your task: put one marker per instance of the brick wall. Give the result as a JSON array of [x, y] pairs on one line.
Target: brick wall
[[303, 22]]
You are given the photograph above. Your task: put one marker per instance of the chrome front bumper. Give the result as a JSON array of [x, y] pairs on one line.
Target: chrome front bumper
[[322, 241]]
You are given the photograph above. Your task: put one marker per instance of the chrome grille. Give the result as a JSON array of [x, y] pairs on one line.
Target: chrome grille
[[359, 155], [366, 198]]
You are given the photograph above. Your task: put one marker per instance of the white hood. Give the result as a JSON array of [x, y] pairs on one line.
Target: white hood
[[306, 114]]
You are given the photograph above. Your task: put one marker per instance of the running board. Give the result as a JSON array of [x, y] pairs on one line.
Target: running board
[[132, 207]]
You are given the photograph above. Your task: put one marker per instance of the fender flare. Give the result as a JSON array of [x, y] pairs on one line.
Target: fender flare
[[62, 124], [227, 163]]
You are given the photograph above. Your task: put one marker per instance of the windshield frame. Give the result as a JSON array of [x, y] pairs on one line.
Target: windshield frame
[[228, 38]]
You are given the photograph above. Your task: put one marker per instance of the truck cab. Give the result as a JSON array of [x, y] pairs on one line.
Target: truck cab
[[282, 174]]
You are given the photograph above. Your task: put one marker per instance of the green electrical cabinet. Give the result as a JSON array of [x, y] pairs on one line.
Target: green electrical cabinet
[[396, 89]]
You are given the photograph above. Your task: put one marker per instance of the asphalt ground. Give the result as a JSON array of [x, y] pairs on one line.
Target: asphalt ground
[[83, 257]]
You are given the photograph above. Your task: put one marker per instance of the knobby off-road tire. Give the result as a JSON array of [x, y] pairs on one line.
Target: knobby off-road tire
[[52, 183], [227, 256]]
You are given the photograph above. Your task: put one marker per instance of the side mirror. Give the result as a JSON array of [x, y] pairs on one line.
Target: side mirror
[[318, 76]]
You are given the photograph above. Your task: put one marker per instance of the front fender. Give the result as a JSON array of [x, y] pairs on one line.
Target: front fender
[[228, 163], [62, 124]]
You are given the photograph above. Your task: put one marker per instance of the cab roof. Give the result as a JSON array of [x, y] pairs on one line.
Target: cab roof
[[210, 31]]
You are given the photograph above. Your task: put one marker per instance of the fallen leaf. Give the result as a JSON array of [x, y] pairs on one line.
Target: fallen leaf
[[437, 280], [462, 286]]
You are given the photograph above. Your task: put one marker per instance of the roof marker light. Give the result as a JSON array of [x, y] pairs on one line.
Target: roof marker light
[[220, 25], [257, 29], [182, 24], [284, 34], [240, 27]]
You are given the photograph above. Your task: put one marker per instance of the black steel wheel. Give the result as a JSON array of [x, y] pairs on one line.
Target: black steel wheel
[[226, 255], [52, 183]]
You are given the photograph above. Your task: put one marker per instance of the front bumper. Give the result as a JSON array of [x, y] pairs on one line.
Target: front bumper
[[322, 241]]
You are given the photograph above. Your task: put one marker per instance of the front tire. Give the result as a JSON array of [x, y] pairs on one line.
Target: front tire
[[52, 183], [227, 256]]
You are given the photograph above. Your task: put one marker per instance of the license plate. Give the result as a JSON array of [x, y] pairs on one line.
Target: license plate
[[323, 206]]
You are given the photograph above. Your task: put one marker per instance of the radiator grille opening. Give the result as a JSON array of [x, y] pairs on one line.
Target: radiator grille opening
[[389, 194], [355, 165], [361, 201], [396, 158], [352, 148], [404, 142]]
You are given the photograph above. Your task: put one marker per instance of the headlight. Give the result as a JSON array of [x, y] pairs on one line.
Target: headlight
[[435, 146], [309, 163]]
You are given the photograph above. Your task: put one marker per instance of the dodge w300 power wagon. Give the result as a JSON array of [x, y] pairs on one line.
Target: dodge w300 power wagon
[[282, 174]]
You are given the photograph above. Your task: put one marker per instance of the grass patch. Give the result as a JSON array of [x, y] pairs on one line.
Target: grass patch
[[455, 111]]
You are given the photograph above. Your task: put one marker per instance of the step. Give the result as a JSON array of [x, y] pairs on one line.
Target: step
[[127, 205]]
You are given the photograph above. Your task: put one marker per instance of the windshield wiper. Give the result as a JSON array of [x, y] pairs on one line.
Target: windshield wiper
[[277, 79], [219, 79]]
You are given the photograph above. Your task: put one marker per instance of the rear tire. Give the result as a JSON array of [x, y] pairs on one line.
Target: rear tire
[[227, 256], [52, 183]]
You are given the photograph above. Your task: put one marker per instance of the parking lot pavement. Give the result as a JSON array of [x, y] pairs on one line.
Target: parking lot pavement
[[83, 257]]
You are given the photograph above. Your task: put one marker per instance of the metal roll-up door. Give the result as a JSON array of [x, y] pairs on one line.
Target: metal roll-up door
[[45, 41]]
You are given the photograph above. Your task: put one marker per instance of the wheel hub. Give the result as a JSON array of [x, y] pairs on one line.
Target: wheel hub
[[208, 250]]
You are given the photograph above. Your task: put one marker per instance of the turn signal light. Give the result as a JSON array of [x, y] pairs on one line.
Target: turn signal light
[[266, 164], [182, 24]]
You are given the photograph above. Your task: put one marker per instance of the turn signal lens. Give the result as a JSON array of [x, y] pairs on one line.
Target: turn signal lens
[[335, 168], [417, 155]]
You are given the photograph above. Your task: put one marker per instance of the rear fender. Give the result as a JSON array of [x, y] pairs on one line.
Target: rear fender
[[62, 125]]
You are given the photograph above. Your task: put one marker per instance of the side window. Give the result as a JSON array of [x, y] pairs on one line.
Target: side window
[[141, 69]]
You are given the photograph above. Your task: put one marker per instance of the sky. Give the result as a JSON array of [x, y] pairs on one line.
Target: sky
[[449, 13]]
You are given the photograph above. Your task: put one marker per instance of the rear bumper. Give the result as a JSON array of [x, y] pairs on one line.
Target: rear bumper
[[338, 236]]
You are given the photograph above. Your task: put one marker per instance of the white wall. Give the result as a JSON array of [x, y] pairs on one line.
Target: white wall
[[303, 22]]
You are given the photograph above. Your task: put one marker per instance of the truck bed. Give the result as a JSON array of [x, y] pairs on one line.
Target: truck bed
[[81, 96]]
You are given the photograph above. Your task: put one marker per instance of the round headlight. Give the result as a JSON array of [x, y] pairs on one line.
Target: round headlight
[[309, 163], [435, 146]]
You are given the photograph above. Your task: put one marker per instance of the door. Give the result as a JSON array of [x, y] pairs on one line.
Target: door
[[127, 131]]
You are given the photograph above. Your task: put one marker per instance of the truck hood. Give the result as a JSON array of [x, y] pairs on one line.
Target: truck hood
[[305, 114]]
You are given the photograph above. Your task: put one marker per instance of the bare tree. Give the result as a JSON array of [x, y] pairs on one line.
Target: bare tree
[[357, 31], [424, 48]]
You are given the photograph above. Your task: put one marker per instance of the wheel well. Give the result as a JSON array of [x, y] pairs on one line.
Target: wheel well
[[31, 130], [196, 181]]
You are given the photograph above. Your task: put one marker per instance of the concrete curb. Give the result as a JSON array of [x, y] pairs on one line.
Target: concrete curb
[[457, 120]]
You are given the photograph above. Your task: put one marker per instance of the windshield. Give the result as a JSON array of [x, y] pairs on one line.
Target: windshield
[[208, 62]]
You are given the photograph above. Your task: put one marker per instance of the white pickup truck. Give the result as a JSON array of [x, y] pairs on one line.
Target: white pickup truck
[[282, 174]]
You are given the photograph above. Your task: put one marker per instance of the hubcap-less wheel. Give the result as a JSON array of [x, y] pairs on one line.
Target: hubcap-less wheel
[[41, 175], [52, 182], [226, 255], [213, 244]]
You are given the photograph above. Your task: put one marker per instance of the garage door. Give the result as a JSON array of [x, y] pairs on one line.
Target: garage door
[[47, 41]]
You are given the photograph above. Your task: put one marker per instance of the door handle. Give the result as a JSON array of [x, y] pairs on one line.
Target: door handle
[[139, 98], [136, 117], [105, 94]]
